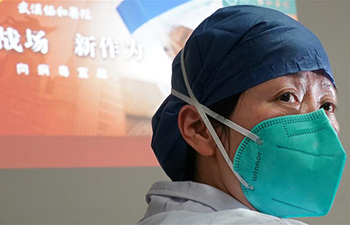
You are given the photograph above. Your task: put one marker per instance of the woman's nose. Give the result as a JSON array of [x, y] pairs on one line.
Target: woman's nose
[[308, 105]]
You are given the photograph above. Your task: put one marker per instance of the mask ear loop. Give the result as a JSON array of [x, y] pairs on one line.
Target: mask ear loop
[[203, 111]]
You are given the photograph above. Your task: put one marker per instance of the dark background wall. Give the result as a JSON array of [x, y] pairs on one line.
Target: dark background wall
[[116, 195]]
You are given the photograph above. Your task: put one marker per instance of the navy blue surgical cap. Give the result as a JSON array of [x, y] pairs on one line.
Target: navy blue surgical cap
[[231, 51]]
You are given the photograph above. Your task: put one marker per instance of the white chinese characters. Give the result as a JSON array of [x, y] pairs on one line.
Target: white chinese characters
[[62, 71], [86, 46], [22, 69], [35, 40], [43, 70], [109, 47], [10, 39], [135, 50], [23, 8], [101, 73], [37, 9], [49, 11], [83, 73]]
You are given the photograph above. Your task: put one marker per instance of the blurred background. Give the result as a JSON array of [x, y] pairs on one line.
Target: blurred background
[[79, 82]]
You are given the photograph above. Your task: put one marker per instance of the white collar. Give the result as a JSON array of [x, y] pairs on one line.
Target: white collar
[[198, 192]]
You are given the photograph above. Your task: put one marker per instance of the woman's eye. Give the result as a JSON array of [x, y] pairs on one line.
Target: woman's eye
[[329, 107], [287, 97]]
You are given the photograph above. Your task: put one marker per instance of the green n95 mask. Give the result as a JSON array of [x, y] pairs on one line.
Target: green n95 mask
[[288, 166], [296, 171]]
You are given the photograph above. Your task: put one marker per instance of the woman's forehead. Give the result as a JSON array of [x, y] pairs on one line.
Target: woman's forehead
[[303, 79]]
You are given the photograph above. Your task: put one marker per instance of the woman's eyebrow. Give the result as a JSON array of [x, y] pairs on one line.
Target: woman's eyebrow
[[326, 85], [329, 89]]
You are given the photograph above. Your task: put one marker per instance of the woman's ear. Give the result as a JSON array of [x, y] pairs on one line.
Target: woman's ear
[[194, 131]]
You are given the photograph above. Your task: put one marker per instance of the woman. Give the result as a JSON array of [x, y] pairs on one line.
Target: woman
[[249, 134]]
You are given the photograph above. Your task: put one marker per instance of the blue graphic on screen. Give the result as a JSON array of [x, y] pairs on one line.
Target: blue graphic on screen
[[137, 12]]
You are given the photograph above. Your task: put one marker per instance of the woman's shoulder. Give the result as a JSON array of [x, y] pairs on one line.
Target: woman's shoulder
[[232, 216], [194, 203]]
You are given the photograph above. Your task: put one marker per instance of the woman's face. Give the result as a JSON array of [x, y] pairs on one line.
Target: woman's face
[[301, 93]]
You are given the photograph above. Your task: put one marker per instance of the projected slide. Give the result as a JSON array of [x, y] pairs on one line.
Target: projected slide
[[80, 80]]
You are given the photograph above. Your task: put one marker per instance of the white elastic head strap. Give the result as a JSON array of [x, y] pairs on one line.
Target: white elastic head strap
[[203, 110]]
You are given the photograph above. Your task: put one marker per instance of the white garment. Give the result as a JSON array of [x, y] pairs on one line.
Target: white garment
[[195, 203]]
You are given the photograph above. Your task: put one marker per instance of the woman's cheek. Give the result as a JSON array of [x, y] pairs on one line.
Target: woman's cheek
[[269, 111], [334, 122]]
